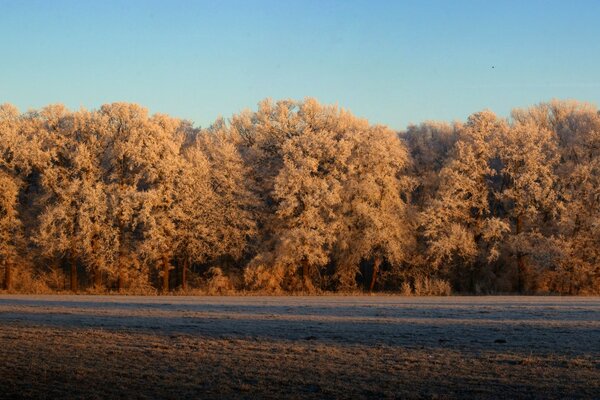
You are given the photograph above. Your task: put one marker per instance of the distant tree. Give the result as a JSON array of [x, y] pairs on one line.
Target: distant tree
[[579, 180], [577, 129], [429, 144], [136, 150], [309, 188], [73, 220], [18, 153], [459, 224], [160, 167], [303, 196], [236, 205], [10, 225], [298, 152], [529, 157], [375, 216], [261, 137], [196, 215]]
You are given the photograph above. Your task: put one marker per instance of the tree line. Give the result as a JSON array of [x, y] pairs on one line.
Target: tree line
[[300, 197]]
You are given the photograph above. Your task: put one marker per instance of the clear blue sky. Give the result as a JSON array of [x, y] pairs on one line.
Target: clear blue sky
[[393, 62]]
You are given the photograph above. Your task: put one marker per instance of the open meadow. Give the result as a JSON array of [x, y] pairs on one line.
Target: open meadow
[[299, 347]]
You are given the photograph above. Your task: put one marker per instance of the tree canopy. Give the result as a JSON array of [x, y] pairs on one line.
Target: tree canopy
[[300, 196]]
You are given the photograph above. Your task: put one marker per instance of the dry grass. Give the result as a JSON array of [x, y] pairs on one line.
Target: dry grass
[[58, 363], [92, 347]]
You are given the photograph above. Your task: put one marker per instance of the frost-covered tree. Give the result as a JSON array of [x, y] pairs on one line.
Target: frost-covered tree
[[529, 156], [299, 195], [59, 227], [375, 224], [73, 221], [459, 225], [135, 148], [261, 136], [577, 129], [10, 225], [196, 215], [308, 189], [236, 204], [298, 154], [19, 153], [579, 180], [322, 176], [429, 144], [159, 192]]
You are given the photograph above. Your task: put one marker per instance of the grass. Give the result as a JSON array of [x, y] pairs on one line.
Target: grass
[[87, 347]]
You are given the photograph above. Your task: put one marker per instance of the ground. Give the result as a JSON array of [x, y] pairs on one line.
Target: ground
[[299, 347]]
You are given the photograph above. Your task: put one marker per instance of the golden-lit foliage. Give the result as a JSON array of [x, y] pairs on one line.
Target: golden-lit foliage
[[300, 196]]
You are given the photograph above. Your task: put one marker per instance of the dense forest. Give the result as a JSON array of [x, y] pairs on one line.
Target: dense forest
[[300, 197]]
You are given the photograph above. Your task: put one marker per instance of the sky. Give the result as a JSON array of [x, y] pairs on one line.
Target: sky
[[392, 62]]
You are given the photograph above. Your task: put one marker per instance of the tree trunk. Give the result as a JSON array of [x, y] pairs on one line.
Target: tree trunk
[[520, 258], [376, 264], [96, 272], [165, 280], [305, 275], [64, 273], [74, 285], [120, 279], [7, 275], [97, 278], [184, 267], [571, 277], [472, 281], [122, 257], [57, 271]]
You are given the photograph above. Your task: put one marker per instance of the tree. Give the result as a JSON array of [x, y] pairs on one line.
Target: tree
[[376, 224], [297, 152], [260, 137], [303, 196], [577, 129], [236, 205], [196, 214], [579, 178], [529, 157], [73, 221], [429, 144], [158, 192], [10, 225], [459, 224], [308, 189], [136, 150], [19, 152]]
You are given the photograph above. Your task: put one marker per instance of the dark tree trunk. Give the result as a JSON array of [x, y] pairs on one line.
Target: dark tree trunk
[[74, 281], [122, 261], [7, 275], [571, 277], [305, 275], [376, 264], [184, 267], [64, 273], [472, 280], [57, 270], [520, 259], [165, 280], [120, 279], [97, 278], [96, 272], [122, 258]]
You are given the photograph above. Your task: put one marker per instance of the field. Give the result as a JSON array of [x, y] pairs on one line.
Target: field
[[299, 347]]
